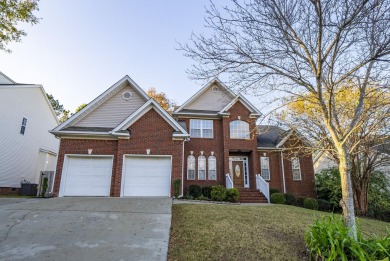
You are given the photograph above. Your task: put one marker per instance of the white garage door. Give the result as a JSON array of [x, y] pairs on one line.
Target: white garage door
[[87, 176], [146, 176]]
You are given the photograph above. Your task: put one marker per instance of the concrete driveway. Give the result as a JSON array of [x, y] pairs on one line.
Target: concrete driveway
[[84, 228]]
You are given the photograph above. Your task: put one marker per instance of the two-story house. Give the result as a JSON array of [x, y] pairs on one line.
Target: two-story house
[[124, 144]]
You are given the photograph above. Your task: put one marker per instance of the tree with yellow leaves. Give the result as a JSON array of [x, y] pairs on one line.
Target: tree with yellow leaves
[[161, 98]]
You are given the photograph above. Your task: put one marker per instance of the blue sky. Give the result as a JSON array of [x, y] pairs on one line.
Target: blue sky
[[80, 48]]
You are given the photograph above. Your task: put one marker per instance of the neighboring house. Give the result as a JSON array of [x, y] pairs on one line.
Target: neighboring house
[[124, 144], [26, 146]]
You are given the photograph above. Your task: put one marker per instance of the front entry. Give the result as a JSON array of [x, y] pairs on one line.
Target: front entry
[[238, 180], [239, 171]]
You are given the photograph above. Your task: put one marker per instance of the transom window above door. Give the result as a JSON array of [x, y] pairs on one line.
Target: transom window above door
[[201, 128], [239, 130]]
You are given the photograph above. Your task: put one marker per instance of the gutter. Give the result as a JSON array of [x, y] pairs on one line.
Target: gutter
[[284, 180], [182, 169]]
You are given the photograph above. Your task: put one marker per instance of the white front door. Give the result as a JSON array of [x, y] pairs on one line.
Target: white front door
[[146, 176], [86, 176]]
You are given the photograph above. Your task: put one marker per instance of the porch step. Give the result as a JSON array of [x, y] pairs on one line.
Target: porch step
[[251, 196]]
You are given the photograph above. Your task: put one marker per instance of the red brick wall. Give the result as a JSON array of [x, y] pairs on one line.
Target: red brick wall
[[159, 141]]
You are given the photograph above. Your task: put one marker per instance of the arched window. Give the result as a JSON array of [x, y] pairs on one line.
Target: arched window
[[212, 168], [201, 167], [239, 130], [191, 167]]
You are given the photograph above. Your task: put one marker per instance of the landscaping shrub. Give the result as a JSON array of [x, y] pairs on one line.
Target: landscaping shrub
[[232, 195], [328, 187], [176, 188], [324, 205], [278, 198], [273, 190], [44, 187], [206, 191], [290, 199], [300, 200], [310, 203], [328, 239], [194, 191], [218, 193]]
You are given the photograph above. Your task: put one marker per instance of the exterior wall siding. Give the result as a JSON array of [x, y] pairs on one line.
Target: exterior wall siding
[[113, 111], [20, 153], [209, 100]]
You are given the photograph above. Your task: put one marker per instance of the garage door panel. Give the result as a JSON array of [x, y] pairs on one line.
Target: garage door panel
[[87, 176], [147, 176]]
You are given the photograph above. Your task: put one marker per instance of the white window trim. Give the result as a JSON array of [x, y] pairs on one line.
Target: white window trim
[[239, 138], [213, 158], [190, 157], [201, 157], [201, 129], [261, 168], [299, 168]]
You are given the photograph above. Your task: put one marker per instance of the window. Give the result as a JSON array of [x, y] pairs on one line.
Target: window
[[201, 128], [24, 124], [265, 173], [296, 169], [239, 130], [201, 167], [191, 167], [212, 168]]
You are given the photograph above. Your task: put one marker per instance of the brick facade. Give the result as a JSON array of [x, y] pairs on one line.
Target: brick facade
[[224, 147], [142, 138]]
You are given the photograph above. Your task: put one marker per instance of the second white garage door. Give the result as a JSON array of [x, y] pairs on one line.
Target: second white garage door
[[146, 176]]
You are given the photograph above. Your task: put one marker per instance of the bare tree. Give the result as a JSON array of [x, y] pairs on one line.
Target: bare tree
[[312, 46]]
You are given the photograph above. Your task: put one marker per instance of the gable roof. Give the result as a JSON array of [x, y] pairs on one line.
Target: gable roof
[[10, 84], [215, 81], [120, 130], [151, 104], [101, 99], [269, 136], [245, 102], [185, 108]]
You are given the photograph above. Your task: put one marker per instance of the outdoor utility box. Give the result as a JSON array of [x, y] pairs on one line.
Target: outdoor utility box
[[29, 189]]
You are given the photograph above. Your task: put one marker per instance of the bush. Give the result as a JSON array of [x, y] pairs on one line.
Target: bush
[[273, 190], [218, 193], [300, 200], [194, 191], [206, 191], [232, 195], [328, 239], [324, 205], [44, 187], [310, 203], [278, 198], [290, 199], [328, 187], [176, 188]]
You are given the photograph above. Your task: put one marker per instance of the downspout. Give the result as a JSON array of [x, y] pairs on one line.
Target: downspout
[[182, 169], [284, 180]]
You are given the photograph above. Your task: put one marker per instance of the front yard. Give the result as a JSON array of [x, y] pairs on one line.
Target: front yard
[[231, 232]]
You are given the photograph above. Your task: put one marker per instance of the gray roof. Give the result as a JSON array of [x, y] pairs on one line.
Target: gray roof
[[183, 125], [197, 111], [88, 129], [268, 136]]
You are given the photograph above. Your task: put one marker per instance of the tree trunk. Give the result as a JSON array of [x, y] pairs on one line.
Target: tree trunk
[[346, 201], [361, 195]]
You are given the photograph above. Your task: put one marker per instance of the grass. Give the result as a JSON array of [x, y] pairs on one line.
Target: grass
[[228, 232]]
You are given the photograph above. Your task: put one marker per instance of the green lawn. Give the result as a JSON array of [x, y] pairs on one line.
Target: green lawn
[[233, 232]]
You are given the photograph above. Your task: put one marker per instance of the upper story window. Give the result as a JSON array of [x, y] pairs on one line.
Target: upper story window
[[296, 169], [201, 128], [212, 168], [191, 167], [265, 173], [23, 127], [201, 167], [239, 130]]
